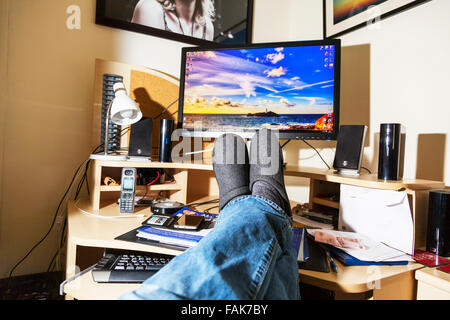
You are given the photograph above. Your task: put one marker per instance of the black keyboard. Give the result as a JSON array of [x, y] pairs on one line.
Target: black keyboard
[[119, 266]]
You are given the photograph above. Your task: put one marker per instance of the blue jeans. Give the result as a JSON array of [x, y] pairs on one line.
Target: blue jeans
[[247, 256]]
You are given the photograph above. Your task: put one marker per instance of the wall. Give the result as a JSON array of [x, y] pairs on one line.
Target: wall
[[409, 82], [47, 132], [409, 70], [3, 84], [396, 73], [46, 92]]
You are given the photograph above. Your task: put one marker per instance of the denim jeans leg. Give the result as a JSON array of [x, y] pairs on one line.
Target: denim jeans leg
[[248, 247]]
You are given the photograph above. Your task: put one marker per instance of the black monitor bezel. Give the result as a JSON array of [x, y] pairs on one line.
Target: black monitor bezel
[[299, 135]]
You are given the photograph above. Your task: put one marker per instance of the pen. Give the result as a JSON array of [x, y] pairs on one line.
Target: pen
[[333, 264]]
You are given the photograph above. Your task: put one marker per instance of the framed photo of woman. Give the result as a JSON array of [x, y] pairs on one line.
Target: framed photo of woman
[[190, 21]]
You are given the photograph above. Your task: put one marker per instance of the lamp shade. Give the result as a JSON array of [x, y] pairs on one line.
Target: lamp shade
[[124, 110]]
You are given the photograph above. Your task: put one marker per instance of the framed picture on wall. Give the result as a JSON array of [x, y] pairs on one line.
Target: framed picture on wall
[[343, 16], [189, 21]]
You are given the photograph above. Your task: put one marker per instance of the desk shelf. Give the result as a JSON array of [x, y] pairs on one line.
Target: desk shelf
[[326, 182], [176, 191], [155, 187], [326, 202], [85, 288], [89, 231]]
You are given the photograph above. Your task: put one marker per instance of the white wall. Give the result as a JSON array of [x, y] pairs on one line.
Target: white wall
[[302, 24], [46, 92], [409, 81], [408, 77]]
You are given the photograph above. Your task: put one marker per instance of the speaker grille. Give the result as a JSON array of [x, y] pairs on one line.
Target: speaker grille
[[349, 147], [113, 129]]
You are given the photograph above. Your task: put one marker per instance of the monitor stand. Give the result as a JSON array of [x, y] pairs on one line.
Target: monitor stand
[[348, 172], [139, 158]]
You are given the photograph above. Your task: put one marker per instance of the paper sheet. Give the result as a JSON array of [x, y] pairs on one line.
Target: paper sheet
[[381, 215], [373, 250]]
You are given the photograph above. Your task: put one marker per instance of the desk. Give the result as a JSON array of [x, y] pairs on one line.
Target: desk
[[84, 230], [432, 284], [94, 228], [366, 282]]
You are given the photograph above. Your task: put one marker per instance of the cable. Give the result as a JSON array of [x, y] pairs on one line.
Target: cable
[[317, 153], [62, 238], [284, 144], [209, 209], [51, 226], [196, 152], [80, 185], [61, 286], [366, 170], [167, 108], [195, 204], [156, 179]]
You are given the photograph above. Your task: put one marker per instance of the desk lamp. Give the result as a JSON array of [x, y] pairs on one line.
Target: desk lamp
[[122, 111]]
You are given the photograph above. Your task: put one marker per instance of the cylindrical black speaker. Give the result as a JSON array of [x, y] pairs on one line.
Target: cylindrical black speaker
[[165, 141], [438, 232], [389, 156]]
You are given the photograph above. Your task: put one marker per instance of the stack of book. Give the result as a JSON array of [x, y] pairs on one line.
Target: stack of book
[[183, 239], [298, 244]]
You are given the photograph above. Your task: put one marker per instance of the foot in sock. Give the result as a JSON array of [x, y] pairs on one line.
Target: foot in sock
[[266, 169], [231, 168]]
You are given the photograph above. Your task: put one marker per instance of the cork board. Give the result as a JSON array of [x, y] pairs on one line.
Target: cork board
[[152, 89], [154, 92]]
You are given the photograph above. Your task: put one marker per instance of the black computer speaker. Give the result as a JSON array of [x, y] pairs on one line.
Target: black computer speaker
[[389, 153], [141, 138], [438, 231], [349, 148], [165, 141]]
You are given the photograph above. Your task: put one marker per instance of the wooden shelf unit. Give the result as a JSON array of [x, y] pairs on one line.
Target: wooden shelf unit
[[177, 190], [323, 182], [86, 231]]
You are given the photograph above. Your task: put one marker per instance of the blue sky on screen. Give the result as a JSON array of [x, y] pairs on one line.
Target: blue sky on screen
[[285, 79]]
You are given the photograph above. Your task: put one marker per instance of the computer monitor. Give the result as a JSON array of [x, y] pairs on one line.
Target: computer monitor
[[292, 87]]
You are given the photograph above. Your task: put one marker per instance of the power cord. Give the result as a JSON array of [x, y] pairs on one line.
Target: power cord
[[167, 108], [78, 190], [284, 144], [63, 231], [366, 170], [51, 226], [317, 153]]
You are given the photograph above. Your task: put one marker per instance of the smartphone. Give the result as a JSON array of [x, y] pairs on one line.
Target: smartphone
[[189, 222]]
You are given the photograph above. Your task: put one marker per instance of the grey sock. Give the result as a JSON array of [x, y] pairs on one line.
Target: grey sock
[[266, 190], [231, 168], [266, 169]]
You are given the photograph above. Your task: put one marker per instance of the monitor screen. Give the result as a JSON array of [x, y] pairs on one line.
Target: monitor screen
[[292, 87]]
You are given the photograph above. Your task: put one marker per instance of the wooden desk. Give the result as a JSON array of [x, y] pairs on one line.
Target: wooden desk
[[90, 230], [87, 230], [366, 282], [90, 225], [432, 284]]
